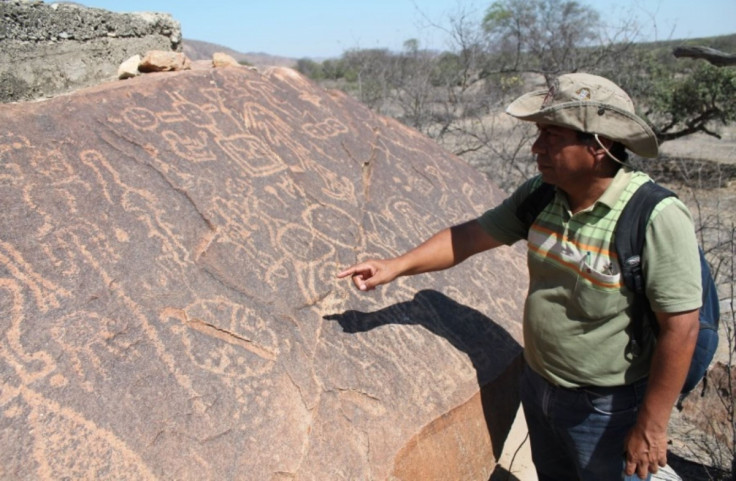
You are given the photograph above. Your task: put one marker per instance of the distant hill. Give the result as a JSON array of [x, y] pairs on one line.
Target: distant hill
[[199, 50]]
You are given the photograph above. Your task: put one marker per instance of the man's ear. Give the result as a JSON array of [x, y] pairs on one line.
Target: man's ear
[[598, 150]]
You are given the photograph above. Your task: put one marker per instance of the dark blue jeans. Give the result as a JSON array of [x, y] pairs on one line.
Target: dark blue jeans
[[578, 434]]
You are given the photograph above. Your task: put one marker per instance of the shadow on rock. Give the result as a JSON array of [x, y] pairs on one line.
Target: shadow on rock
[[492, 351]]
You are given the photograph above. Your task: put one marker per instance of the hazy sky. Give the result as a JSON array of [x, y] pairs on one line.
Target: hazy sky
[[327, 28]]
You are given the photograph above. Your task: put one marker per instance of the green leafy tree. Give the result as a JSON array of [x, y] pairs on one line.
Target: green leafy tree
[[699, 101], [310, 68], [333, 69], [678, 97]]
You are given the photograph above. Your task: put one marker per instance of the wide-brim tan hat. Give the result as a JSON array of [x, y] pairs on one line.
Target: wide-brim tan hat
[[592, 104]]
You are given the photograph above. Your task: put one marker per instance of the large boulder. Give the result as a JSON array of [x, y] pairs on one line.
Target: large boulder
[[48, 49], [168, 300]]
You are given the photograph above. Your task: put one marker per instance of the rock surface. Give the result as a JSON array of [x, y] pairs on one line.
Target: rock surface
[[163, 61], [168, 301], [221, 59], [129, 68], [48, 49]]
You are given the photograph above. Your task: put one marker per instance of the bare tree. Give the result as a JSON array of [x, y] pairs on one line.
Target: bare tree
[[548, 37], [413, 89], [715, 57]]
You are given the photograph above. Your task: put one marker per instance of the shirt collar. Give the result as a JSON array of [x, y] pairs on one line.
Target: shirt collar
[[616, 189], [610, 196]]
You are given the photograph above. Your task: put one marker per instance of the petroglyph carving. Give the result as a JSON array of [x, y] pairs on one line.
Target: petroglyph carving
[[186, 111], [57, 456], [254, 156], [226, 339], [140, 118], [89, 340], [194, 149], [325, 129]]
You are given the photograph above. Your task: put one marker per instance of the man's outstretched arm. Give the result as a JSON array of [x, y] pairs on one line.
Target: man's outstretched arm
[[445, 249]]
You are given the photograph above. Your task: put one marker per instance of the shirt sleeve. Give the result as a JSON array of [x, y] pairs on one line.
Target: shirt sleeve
[[501, 221], [671, 261]]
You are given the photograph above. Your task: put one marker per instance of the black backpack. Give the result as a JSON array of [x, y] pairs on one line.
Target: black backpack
[[629, 243]]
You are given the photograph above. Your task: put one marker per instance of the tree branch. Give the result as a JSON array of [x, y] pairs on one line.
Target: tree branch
[[715, 57]]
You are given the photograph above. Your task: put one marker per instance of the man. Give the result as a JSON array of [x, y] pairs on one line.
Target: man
[[594, 407]]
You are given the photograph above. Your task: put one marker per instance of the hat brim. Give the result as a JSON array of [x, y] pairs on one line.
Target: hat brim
[[591, 117]]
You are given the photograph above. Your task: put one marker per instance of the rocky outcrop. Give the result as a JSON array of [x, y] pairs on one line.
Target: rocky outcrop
[[48, 49], [168, 300], [156, 61], [160, 61], [220, 59]]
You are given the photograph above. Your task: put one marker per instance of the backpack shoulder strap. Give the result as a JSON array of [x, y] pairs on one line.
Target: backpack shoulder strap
[[534, 204], [631, 232], [628, 241]]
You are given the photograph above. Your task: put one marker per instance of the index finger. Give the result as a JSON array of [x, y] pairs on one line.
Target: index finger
[[347, 272], [357, 269]]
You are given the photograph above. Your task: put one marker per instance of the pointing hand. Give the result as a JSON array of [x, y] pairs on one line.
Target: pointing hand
[[371, 273]]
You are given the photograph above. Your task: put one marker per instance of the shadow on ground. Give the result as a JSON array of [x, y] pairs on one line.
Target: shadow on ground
[[691, 471], [501, 474]]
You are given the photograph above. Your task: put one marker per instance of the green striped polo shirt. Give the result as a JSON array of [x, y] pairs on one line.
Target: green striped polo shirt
[[576, 316]]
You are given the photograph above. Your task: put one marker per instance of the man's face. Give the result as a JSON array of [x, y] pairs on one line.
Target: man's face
[[562, 159]]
